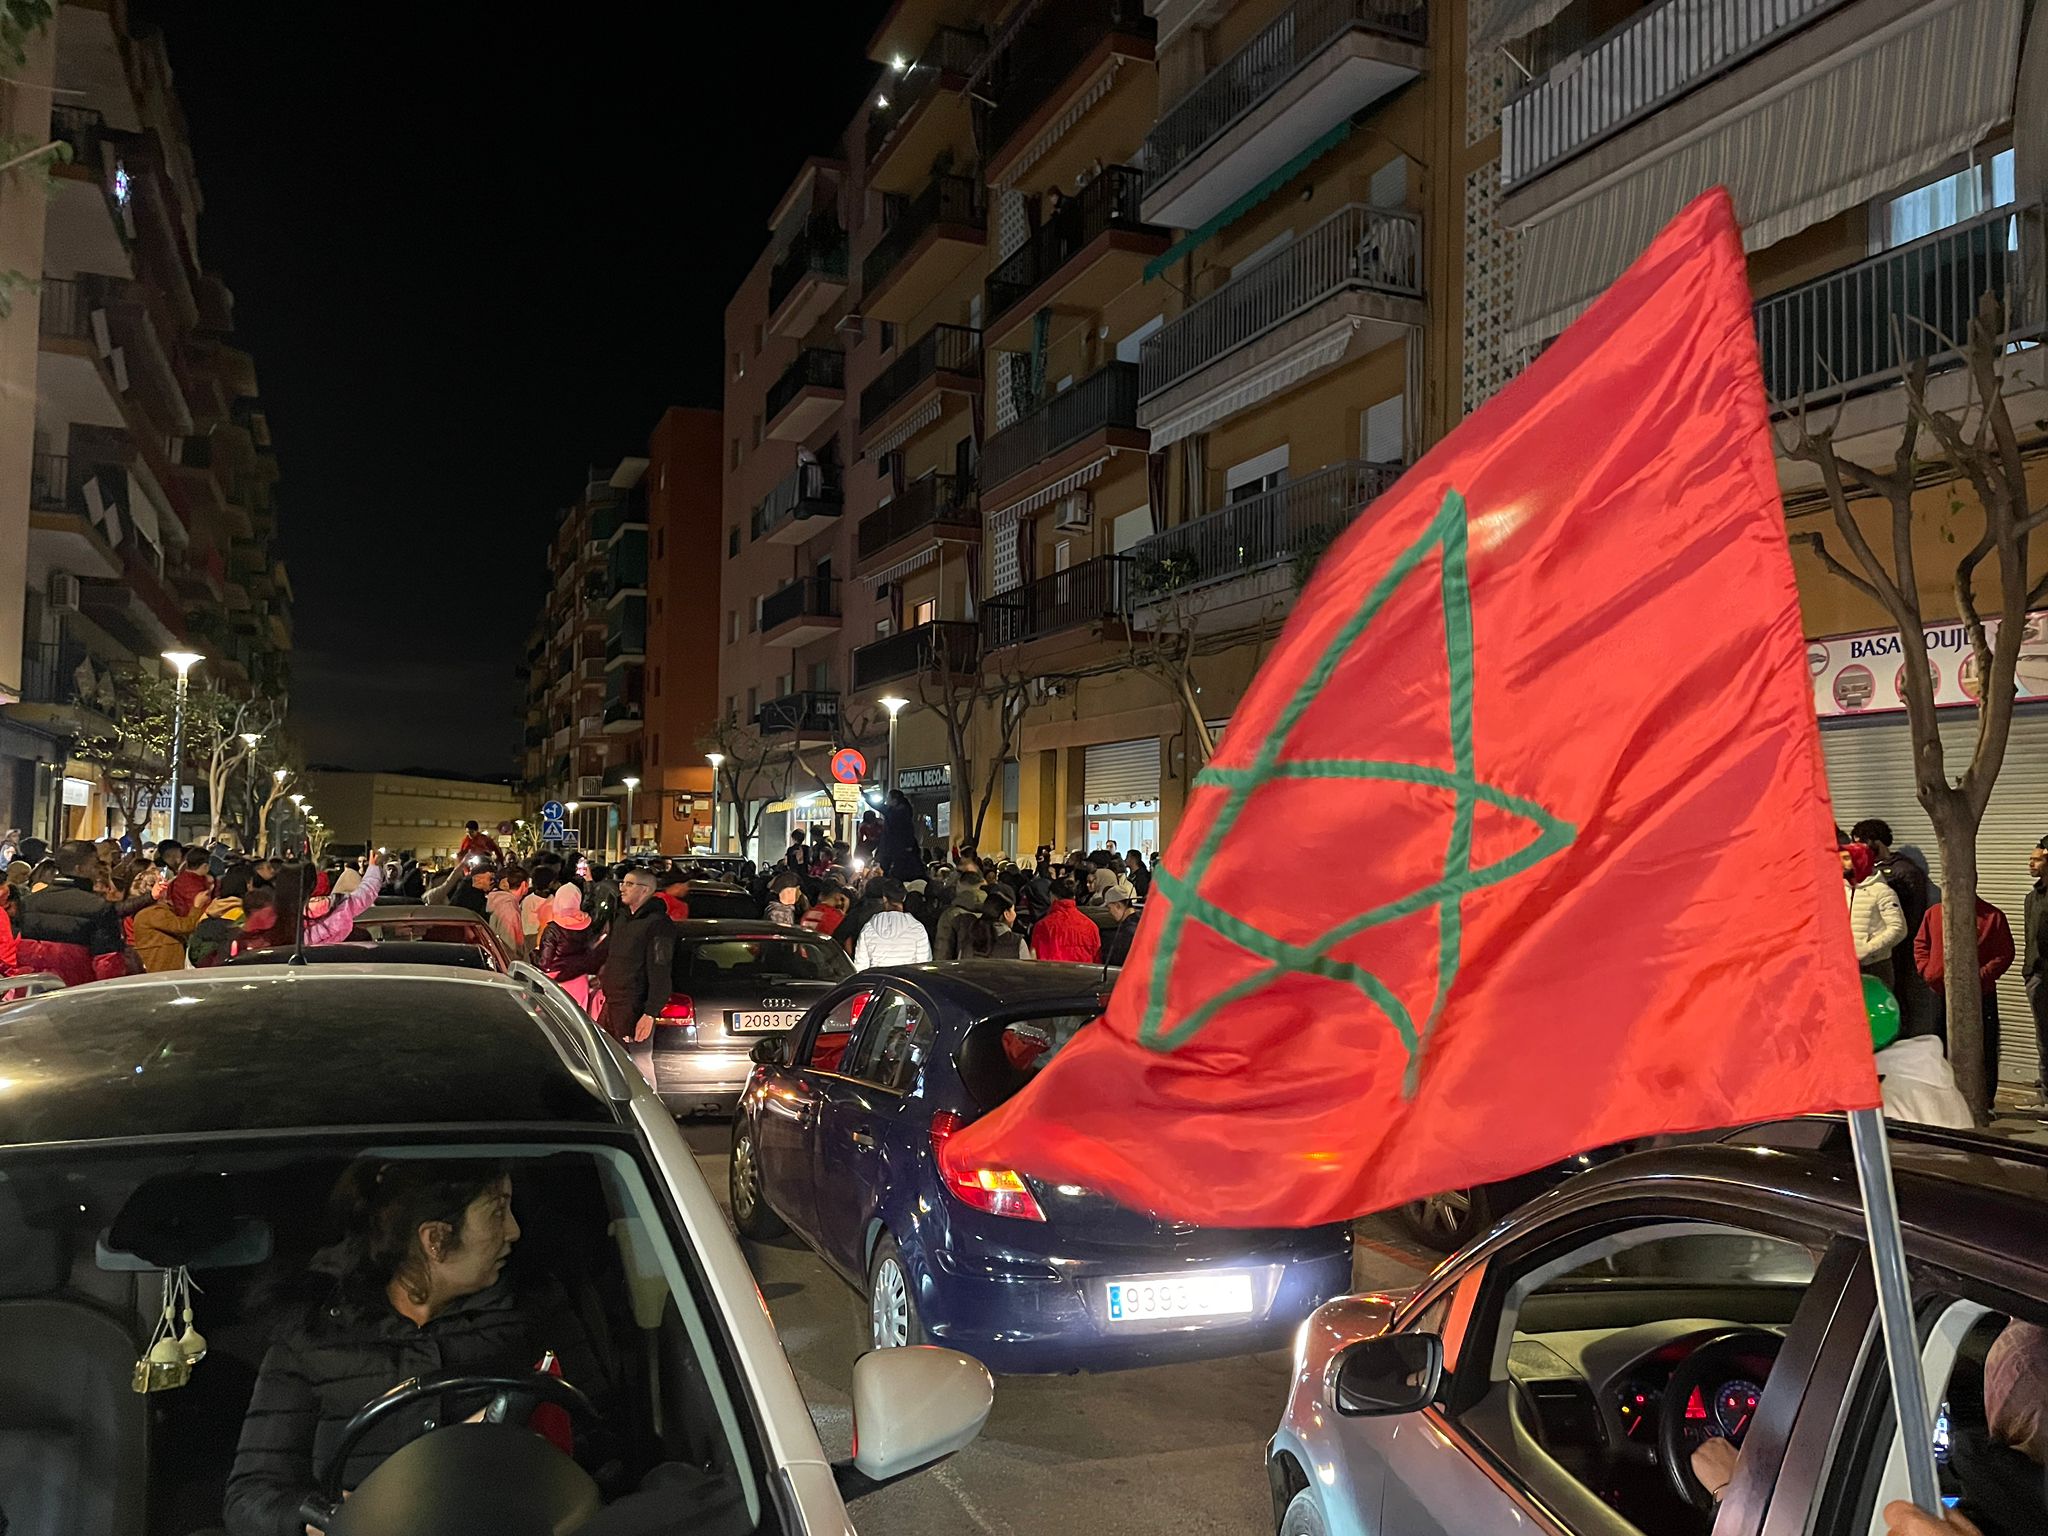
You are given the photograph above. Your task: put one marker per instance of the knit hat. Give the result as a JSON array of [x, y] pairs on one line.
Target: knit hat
[[566, 907]]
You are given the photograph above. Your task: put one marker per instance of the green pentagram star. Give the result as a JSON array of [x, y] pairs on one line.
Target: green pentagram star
[[1446, 536]]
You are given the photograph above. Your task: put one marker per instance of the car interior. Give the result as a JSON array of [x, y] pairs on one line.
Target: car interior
[[709, 962], [86, 1243]]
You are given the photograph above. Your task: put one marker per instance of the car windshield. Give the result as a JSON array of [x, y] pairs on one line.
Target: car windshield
[[717, 903], [563, 1253], [999, 1056], [708, 962]]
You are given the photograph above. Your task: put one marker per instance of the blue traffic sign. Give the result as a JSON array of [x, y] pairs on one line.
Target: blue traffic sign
[[552, 811]]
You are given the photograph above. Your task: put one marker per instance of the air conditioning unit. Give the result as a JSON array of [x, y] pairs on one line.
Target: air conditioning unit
[[64, 592], [1074, 512]]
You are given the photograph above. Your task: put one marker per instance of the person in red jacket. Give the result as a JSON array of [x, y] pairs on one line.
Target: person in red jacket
[[1994, 959], [1066, 932], [478, 842]]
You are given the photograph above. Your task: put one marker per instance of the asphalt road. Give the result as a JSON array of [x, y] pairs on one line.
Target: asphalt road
[[1175, 1450]]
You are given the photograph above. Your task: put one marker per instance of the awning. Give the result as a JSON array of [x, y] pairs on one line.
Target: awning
[[1051, 493], [1252, 385], [1893, 106], [905, 430], [1244, 205], [1489, 23]]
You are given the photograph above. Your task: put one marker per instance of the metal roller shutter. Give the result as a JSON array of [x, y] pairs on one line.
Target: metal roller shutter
[[1870, 773], [1122, 772]]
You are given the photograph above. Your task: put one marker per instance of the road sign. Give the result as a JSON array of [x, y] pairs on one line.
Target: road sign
[[552, 811], [846, 798], [551, 829], [848, 766], [504, 829]]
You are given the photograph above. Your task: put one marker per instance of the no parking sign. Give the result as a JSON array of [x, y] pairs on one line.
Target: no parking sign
[[848, 766]]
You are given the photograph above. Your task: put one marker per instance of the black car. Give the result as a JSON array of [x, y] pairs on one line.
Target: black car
[[735, 983], [468, 957], [719, 899]]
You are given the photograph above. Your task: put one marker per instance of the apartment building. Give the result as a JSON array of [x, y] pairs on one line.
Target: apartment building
[[410, 811], [138, 496], [680, 709]]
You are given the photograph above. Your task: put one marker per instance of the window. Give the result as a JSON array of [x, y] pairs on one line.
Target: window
[[888, 335], [926, 611], [892, 1045], [1256, 476], [732, 625], [716, 961], [732, 541], [821, 677], [835, 1030], [1941, 204], [753, 702], [1389, 187], [1380, 432], [1000, 1056], [1129, 528]]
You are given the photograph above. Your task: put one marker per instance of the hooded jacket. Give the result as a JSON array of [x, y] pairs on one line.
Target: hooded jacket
[[1876, 919], [953, 922], [161, 932], [504, 910], [1920, 1086], [69, 928]]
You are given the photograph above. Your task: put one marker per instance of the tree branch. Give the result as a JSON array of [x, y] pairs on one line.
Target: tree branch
[[1817, 543]]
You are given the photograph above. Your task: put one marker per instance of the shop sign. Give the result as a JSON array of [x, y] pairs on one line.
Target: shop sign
[[925, 781], [161, 805], [77, 791], [1865, 674]]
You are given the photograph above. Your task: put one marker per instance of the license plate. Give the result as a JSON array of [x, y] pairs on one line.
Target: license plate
[[1143, 1301], [745, 1023]]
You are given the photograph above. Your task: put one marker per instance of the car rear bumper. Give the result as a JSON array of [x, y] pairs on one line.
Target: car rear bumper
[[701, 1079]]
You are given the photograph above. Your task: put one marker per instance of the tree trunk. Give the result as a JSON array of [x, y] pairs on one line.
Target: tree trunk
[[1955, 832]]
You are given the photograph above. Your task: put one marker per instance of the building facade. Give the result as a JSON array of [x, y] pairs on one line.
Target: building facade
[[421, 814], [681, 707]]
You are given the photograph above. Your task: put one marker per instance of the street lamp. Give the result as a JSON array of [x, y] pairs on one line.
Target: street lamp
[[184, 661], [626, 832], [249, 740], [717, 761], [895, 706]]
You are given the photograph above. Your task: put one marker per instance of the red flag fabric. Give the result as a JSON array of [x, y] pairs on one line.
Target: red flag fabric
[[1519, 843]]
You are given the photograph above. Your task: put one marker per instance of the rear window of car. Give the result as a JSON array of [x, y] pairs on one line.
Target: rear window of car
[[999, 1056], [721, 904], [427, 932], [707, 962]]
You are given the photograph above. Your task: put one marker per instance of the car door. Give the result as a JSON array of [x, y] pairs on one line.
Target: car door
[[861, 1116], [787, 1118]]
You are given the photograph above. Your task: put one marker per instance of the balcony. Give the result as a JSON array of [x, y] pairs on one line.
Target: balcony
[[807, 395], [806, 609], [929, 244], [926, 111], [589, 727], [60, 525], [1061, 45], [613, 780], [932, 507], [947, 647], [802, 506], [945, 359], [1092, 247], [1277, 527], [1640, 67], [1312, 67], [807, 279], [1070, 431], [1348, 286], [589, 786], [621, 715], [1093, 592], [809, 716]]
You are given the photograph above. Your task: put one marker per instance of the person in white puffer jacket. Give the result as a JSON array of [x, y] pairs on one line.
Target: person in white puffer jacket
[[1876, 919]]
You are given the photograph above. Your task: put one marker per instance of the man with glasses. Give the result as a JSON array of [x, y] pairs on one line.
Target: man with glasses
[[639, 960]]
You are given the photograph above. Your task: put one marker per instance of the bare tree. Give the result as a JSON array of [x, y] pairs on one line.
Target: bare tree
[[218, 728], [278, 771], [133, 751], [972, 699], [753, 772], [1975, 447]]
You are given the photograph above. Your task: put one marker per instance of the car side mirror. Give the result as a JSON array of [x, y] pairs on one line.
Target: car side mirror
[[772, 1052], [912, 1407], [1393, 1373]]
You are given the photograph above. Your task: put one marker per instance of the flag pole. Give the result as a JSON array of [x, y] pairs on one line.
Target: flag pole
[[1869, 1145]]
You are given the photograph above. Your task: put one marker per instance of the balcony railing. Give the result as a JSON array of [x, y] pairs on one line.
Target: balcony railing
[[1276, 526], [619, 712], [1107, 398], [1640, 67], [951, 51], [807, 712], [1262, 66], [942, 349], [67, 304], [819, 249], [49, 482], [814, 368], [1053, 43], [1379, 249], [950, 644], [80, 127], [810, 490], [590, 725], [1090, 592], [943, 503], [49, 672], [1108, 202], [808, 597], [1861, 326], [945, 200]]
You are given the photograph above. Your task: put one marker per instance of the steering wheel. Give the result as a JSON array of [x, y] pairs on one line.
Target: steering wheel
[[492, 1476], [1714, 1361]]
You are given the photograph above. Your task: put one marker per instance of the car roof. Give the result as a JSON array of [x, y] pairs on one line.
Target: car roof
[[982, 987], [375, 952], [742, 928], [272, 1048], [723, 887], [421, 914]]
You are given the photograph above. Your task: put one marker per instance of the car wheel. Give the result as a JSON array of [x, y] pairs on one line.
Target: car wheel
[[1304, 1517], [892, 1304], [1448, 1221], [750, 1211]]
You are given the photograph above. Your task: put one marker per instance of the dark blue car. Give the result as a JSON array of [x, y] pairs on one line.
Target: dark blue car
[[837, 1137]]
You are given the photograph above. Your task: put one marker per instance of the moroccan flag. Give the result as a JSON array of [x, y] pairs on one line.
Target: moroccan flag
[[1519, 843]]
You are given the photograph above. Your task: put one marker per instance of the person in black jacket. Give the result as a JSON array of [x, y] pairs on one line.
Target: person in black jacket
[[1120, 904], [638, 968], [68, 925], [417, 1286]]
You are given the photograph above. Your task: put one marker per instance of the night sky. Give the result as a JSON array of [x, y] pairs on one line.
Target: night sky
[[472, 257]]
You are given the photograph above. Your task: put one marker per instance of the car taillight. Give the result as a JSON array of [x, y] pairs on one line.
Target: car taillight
[[679, 1010], [998, 1191]]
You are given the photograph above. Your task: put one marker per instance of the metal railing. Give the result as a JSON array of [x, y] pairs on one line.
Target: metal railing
[[49, 482], [82, 128], [942, 349], [1268, 529], [952, 644], [49, 671], [819, 249], [1108, 397], [1108, 202], [1356, 247], [1053, 43], [1262, 66], [945, 200], [807, 711], [951, 51], [810, 490], [1863, 325], [1640, 67], [814, 368], [808, 597], [931, 501], [1088, 593]]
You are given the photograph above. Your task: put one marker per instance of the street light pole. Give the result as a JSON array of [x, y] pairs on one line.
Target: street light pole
[[278, 776], [717, 761], [184, 661], [895, 706], [249, 740], [626, 832], [298, 809]]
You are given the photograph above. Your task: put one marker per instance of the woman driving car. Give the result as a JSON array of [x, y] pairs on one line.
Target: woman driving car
[[417, 1286]]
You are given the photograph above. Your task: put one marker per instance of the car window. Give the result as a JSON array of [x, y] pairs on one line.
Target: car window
[[835, 1031], [999, 1056], [708, 962], [892, 1044], [703, 903]]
